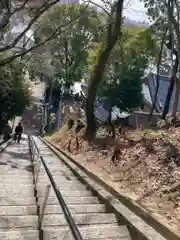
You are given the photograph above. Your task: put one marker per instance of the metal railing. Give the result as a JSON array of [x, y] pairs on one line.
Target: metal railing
[[38, 160], [35, 159], [4, 144], [37, 165]]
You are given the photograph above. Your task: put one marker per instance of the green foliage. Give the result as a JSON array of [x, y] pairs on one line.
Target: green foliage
[[125, 93], [74, 52], [133, 38], [14, 91], [156, 9], [69, 50], [122, 84]]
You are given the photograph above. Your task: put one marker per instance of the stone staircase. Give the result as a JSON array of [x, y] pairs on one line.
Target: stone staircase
[[18, 209], [91, 217], [21, 201]]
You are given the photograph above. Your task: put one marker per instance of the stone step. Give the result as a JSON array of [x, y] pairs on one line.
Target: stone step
[[18, 210], [58, 178], [24, 173], [70, 237], [17, 201], [15, 177], [27, 221], [62, 187], [12, 166], [80, 219], [52, 163], [79, 208], [17, 186], [16, 181], [47, 153], [16, 192], [71, 193], [59, 175], [19, 172], [59, 169], [51, 158], [99, 231], [70, 200], [19, 234]]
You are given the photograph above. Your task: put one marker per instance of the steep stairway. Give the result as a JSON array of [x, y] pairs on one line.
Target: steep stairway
[[91, 217], [22, 201], [18, 209]]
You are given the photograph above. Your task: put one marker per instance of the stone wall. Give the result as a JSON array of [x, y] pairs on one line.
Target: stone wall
[[139, 119]]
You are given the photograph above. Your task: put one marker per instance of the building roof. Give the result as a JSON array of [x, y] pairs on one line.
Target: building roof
[[163, 89]]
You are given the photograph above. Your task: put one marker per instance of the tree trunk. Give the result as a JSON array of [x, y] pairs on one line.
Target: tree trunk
[[170, 89], [113, 33], [176, 99], [66, 60], [5, 11], [157, 76], [95, 80], [113, 130], [174, 26]]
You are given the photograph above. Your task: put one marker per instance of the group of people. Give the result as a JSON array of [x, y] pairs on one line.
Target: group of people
[[7, 132]]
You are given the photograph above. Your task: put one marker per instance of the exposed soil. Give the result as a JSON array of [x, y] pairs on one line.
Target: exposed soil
[[146, 169]]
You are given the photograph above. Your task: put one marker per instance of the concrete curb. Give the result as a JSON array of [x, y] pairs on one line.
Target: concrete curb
[[148, 227], [5, 144]]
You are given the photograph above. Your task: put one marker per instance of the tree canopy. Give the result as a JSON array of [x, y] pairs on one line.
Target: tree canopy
[[122, 83], [75, 42], [166, 15], [25, 14], [95, 38], [14, 91], [68, 51]]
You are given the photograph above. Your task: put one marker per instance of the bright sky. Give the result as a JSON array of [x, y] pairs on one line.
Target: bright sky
[[134, 10]]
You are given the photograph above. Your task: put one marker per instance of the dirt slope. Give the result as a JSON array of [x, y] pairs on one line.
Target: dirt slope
[[146, 169]]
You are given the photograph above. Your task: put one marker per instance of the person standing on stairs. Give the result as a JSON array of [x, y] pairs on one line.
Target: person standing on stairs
[[18, 132]]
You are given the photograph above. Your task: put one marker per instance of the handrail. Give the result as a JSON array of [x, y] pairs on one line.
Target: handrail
[[1, 143], [59, 196], [4, 141], [7, 142]]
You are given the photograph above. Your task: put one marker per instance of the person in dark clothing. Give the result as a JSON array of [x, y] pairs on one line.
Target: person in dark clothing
[[18, 132]]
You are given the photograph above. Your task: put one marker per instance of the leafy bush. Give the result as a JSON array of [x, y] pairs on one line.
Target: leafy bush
[[14, 91]]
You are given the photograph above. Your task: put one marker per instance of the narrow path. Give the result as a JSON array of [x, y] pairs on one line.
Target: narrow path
[[22, 201], [18, 209], [91, 217]]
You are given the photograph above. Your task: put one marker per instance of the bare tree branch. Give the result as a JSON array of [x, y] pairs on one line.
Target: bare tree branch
[[100, 6], [9, 13], [39, 12], [5, 14], [57, 31]]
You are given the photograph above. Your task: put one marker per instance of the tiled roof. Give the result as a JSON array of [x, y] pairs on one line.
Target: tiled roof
[[148, 89], [102, 112]]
